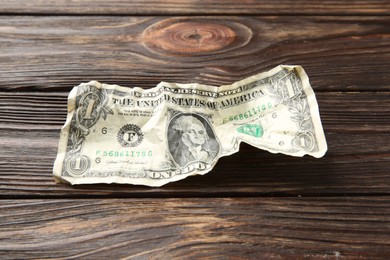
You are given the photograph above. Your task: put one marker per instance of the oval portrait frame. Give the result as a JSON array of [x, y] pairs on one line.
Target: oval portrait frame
[[175, 146]]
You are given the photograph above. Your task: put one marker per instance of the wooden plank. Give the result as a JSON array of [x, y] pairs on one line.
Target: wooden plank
[[340, 111], [226, 228], [56, 53], [160, 7], [31, 177], [356, 127]]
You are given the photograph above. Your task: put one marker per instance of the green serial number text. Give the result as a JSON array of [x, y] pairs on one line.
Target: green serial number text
[[111, 153], [251, 112]]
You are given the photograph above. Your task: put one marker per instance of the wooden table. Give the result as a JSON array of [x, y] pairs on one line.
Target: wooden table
[[254, 204]]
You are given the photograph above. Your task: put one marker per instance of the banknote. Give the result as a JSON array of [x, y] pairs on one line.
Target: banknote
[[154, 136]]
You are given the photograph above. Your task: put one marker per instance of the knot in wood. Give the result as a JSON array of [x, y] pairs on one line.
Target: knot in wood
[[188, 37]]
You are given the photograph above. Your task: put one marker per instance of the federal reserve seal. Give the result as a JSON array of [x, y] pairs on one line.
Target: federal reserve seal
[[130, 135]]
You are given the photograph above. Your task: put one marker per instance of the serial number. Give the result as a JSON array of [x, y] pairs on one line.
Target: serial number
[[112, 153], [251, 112]]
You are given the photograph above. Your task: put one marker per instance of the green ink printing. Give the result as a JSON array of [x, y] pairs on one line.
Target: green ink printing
[[252, 130]]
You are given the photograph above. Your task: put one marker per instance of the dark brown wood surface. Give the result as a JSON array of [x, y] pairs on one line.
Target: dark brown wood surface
[[253, 205], [195, 228], [57, 53], [191, 7], [357, 131]]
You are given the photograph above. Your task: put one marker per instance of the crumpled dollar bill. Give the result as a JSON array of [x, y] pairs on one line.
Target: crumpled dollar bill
[[154, 136]]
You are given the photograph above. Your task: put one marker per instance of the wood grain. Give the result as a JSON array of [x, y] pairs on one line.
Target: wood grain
[[54, 53], [230, 228], [191, 7], [253, 205], [235, 176], [344, 111], [356, 127]]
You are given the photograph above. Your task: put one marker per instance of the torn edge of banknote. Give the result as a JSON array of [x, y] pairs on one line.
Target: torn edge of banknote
[[286, 86]]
